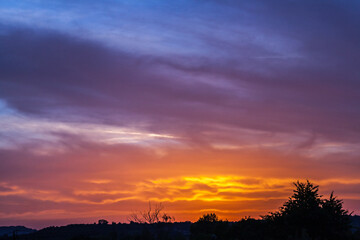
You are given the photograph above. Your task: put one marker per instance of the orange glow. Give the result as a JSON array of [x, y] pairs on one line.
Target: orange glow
[[105, 179], [185, 197]]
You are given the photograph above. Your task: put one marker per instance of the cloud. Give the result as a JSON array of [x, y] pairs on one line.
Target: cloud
[[86, 80]]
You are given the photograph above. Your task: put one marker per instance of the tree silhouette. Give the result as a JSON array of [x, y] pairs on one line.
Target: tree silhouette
[[307, 215], [337, 219], [151, 215]]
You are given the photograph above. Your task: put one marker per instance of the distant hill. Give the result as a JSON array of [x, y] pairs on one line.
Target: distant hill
[[175, 231], [18, 230], [178, 231]]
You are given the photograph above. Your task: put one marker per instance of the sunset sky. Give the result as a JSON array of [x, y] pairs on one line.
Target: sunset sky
[[203, 105]]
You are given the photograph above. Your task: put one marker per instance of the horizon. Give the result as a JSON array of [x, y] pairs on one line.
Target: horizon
[[127, 223], [204, 106], [126, 219]]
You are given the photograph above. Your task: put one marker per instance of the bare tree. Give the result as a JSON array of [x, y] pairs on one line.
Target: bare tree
[[151, 215]]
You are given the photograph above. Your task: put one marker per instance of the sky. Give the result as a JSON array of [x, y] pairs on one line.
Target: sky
[[204, 106]]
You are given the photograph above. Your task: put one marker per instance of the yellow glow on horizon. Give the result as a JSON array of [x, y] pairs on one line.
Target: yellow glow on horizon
[[185, 197], [217, 188]]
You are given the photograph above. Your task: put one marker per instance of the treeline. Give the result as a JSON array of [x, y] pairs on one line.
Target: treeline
[[260, 229], [305, 215], [119, 231]]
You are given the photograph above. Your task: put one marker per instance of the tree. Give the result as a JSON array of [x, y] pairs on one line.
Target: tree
[[151, 215], [306, 214], [305, 197], [337, 219]]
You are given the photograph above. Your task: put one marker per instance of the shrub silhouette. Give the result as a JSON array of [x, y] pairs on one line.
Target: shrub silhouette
[[208, 218], [103, 222]]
